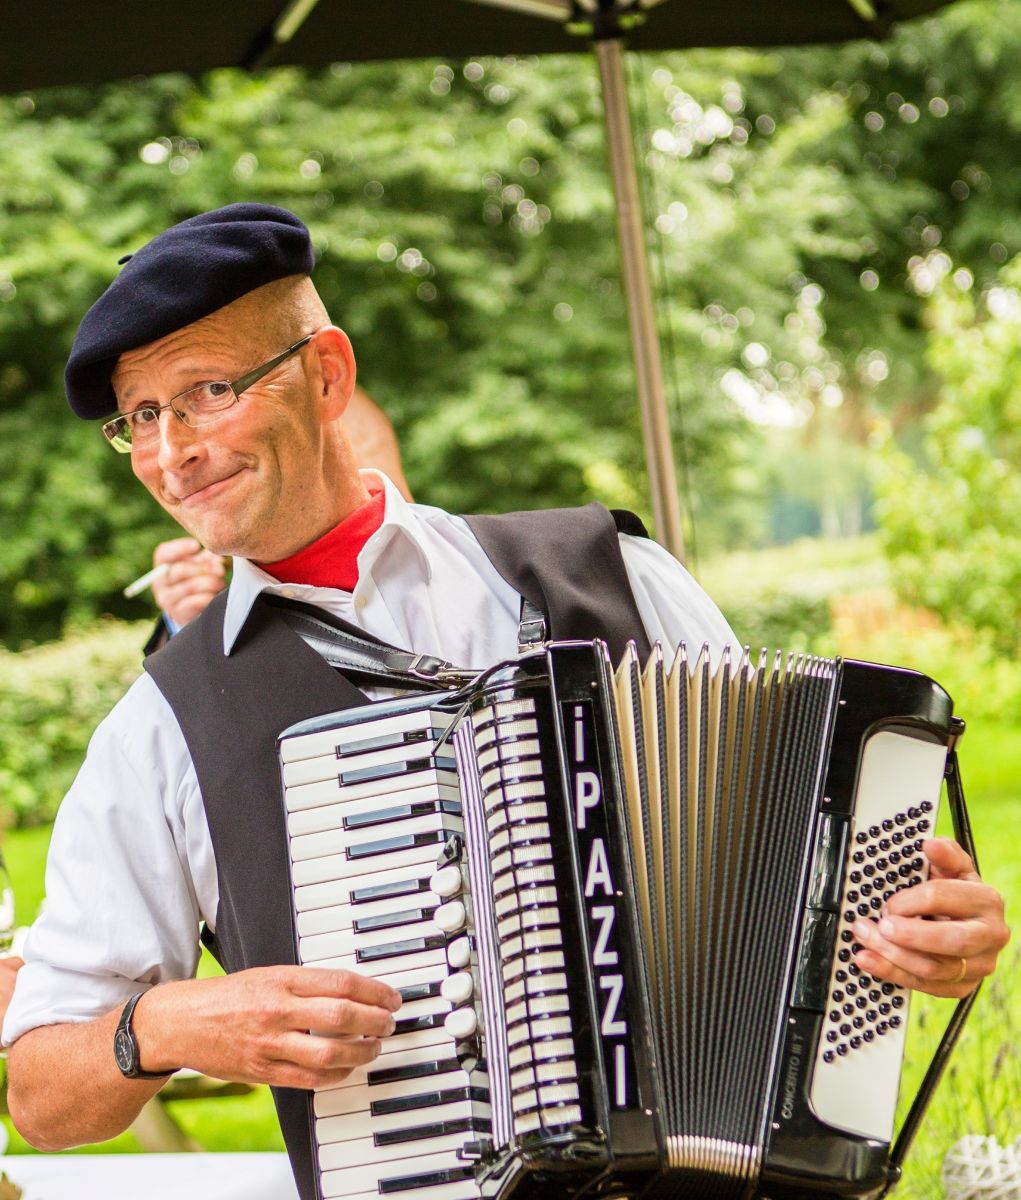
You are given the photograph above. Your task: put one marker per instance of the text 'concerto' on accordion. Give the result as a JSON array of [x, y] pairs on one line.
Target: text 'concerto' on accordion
[[618, 906]]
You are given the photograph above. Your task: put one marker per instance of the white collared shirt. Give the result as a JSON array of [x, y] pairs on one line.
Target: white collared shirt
[[131, 872]]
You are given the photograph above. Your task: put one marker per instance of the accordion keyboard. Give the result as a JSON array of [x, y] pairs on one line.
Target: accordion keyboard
[[368, 821]]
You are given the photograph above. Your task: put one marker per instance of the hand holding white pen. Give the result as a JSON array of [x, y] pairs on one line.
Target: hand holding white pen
[[183, 580]]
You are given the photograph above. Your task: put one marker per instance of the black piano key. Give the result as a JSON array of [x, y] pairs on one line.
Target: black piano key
[[408, 916], [388, 891], [368, 954], [420, 991], [414, 1024], [389, 770], [402, 812], [407, 1183], [422, 1070], [417, 1133], [384, 741], [398, 1104], [406, 841]]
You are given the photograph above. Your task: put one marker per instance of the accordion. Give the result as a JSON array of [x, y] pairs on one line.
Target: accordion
[[619, 907]]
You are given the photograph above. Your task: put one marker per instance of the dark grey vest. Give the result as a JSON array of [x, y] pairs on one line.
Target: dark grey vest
[[231, 710]]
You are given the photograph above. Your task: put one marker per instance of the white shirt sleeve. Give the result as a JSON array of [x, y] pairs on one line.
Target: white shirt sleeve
[[672, 606], [123, 905]]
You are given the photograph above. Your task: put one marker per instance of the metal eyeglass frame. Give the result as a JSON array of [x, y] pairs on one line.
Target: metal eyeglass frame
[[113, 429]]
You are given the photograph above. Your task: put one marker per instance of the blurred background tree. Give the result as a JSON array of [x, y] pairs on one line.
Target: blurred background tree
[[804, 206]]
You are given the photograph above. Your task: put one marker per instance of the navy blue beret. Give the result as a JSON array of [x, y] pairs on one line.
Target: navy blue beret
[[184, 274]]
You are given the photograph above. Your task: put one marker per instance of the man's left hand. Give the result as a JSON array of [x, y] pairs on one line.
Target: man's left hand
[[941, 937]]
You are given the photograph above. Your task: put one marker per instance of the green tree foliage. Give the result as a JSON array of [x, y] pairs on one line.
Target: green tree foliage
[[462, 214], [952, 523]]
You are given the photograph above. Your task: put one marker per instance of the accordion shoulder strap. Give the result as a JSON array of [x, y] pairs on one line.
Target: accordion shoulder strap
[[567, 563], [364, 658]]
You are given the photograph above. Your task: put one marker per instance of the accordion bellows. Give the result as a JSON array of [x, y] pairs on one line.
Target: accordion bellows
[[618, 904]]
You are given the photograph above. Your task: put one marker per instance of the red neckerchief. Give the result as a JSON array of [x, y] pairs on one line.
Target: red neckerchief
[[332, 560]]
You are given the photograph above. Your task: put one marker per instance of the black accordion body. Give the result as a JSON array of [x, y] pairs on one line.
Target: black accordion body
[[619, 907]]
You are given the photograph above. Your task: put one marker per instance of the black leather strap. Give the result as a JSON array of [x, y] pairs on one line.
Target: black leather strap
[[365, 658]]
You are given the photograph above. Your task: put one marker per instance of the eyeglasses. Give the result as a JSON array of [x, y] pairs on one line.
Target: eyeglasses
[[201, 405]]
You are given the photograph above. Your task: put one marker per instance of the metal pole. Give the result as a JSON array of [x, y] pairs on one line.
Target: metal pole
[[638, 294]]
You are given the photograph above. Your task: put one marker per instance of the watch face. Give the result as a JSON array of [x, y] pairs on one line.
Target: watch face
[[123, 1050]]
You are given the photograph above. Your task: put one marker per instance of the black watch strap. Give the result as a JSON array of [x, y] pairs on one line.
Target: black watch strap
[[125, 1046]]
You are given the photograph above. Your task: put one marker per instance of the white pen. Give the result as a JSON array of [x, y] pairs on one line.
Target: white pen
[[137, 586]]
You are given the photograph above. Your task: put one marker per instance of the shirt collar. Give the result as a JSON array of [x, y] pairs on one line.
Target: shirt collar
[[400, 522]]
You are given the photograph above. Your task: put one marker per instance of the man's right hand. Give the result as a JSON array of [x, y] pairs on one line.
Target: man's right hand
[[192, 578], [253, 1027]]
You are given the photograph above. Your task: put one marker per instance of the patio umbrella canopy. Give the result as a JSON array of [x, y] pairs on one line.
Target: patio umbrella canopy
[[101, 40], [51, 42]]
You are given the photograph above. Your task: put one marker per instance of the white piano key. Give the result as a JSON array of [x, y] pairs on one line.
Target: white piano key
[[385, 966], [313, 770], [336, 866], [338, 892], [336, 1101], [391, 1057], [336, 841], [349, 1182], [354, 1126], [465, 1189], [345, 942], [364, 1153], [343, 916], [325, 742], [331, 816], [314, 795]]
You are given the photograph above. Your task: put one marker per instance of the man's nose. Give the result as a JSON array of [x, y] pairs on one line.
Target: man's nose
[[179, 443]]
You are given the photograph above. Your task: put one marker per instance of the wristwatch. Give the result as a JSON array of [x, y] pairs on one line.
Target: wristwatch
[[125, 1046]]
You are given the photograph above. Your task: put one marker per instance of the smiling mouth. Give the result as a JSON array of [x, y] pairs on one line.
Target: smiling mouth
[[207, 489]]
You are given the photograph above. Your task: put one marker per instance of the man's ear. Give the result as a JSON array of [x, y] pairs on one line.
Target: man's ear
[[333, 369]]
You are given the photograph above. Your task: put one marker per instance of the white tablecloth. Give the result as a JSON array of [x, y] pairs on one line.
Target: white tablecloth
[[151, 1176]]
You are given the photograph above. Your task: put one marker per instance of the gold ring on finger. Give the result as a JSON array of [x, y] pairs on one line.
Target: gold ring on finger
[[962, 972]]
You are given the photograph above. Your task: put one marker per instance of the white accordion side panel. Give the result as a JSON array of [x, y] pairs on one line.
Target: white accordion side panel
[[857, 1067]]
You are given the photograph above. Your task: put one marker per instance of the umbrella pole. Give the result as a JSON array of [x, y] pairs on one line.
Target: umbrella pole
[[638, 294]]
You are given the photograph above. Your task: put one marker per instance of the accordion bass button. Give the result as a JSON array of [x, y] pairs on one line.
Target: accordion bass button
[[461, 1023], [458, 988], [447, 881], [450, 917]]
